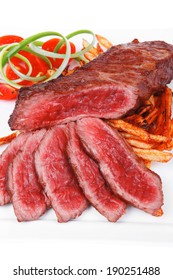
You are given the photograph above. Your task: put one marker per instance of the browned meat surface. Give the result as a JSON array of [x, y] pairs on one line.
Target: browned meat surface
[[121, 168], [91, 181], [107, 87], [57, 177]]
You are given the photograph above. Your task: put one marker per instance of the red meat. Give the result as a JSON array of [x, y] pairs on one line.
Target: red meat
[[57, 176], [5, 159], [127, 176], [107, 87], [91, 181], [28, 197]]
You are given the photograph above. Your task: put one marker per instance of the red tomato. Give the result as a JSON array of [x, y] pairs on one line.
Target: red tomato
[[7, 92], [38, 65], [20, 65], [8, 39], [50, 46]]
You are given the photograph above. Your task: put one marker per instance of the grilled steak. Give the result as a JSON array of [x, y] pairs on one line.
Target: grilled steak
[[57, 176], [107, 87], [126, 175], [5, 160], [91, 180], [28, 198]]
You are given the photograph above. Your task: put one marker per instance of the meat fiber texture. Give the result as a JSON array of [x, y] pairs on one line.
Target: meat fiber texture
[[5, 159], [108, 87], [57, 177], [28, 198], [91, 181], [121, 168]]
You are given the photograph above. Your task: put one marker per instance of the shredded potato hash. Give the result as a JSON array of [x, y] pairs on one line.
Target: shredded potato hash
[[7, 139], [149, 130]]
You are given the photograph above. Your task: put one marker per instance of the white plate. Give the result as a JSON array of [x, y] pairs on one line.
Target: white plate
[[134, 226]]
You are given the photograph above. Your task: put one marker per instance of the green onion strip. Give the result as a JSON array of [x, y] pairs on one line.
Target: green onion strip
[[32, 45]]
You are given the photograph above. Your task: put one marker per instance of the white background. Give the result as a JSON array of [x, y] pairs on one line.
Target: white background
[[35, 16]]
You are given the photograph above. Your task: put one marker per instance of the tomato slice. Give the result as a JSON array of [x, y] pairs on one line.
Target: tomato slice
[[50, 46], [38, 66], [7, 92], [9, 39], [22, 67]]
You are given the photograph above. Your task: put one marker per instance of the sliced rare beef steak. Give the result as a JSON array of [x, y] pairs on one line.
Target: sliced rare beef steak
[[108, 87], [5, 159], [28, 198], [91, 181], [121, 168], [57, 177]]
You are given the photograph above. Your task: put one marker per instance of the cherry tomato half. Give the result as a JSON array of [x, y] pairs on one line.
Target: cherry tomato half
[[38, 66], [9, 39], [50, 46], [7, 92]]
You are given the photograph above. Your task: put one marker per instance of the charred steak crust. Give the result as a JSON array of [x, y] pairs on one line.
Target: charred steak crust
[[90, 179], [107, 87], [121, 168]]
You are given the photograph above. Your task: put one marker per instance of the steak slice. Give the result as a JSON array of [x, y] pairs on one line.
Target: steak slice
[[126, 174], [57, 176], [5, 159], [108, 87], [28, 197], [91, 181]]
